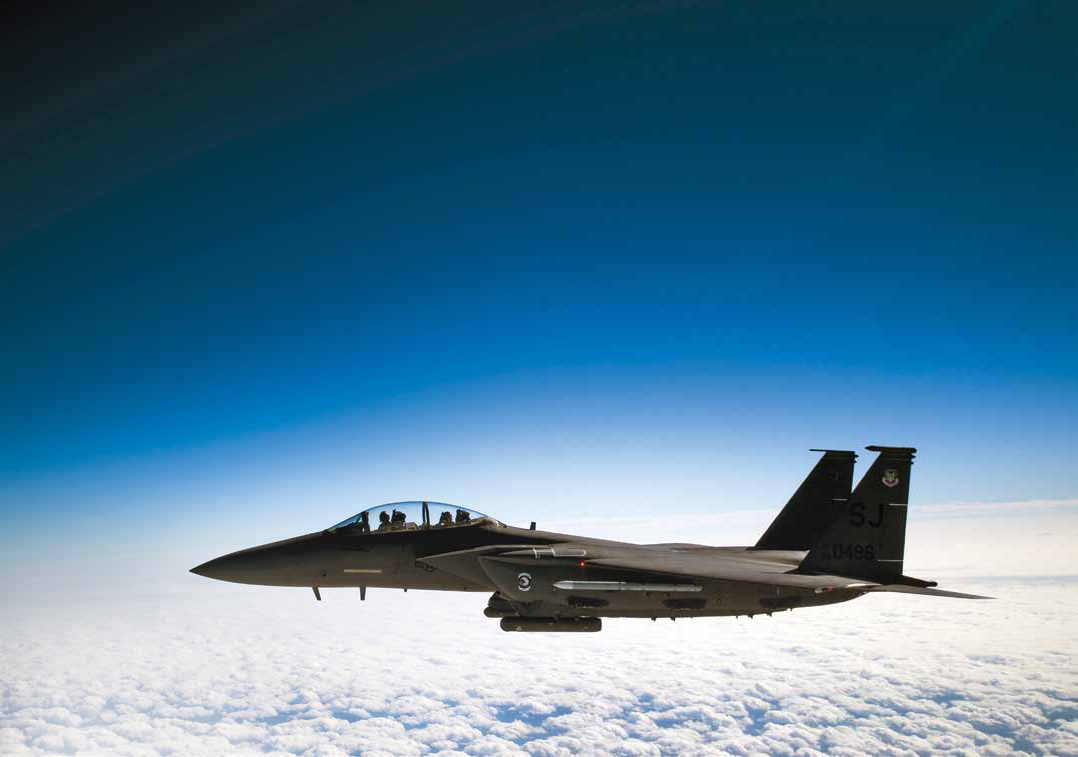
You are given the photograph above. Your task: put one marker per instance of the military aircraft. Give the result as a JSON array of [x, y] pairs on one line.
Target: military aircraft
[[828, 545]]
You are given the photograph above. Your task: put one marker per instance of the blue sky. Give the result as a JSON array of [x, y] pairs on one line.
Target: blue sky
[[276, 269]]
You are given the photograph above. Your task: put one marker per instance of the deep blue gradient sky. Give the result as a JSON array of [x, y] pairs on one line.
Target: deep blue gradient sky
[[419, 253]]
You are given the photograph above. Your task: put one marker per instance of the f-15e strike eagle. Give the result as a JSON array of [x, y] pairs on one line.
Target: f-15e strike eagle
[[828, 545]]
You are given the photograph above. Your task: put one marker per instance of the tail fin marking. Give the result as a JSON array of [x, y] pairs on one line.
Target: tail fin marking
[[866, 539]]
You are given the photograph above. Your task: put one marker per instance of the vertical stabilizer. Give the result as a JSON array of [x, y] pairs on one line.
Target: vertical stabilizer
[[867, 537], [808, 513]]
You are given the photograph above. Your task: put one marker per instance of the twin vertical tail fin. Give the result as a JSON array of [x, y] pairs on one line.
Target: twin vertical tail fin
[[807, 515], [866, 538]]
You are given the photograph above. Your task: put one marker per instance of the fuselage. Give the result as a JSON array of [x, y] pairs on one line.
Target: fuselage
[[548, 582]]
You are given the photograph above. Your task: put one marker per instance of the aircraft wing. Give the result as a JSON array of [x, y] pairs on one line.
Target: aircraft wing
[[481, 565], [749, 567], [742, 568]]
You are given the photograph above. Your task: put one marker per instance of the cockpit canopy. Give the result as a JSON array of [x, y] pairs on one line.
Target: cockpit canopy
[[410, 516]]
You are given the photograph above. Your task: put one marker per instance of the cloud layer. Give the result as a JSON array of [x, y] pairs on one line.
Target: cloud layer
[[230, 669]]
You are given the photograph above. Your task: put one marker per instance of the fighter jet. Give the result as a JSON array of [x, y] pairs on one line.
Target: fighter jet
[[831, 543]]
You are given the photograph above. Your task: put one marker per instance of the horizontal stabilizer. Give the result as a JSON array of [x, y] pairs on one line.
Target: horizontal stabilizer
[[924, 591]]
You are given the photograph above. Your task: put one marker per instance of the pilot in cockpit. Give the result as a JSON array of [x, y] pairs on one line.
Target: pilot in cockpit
[[445, 519], [398, 520], [383, 521]]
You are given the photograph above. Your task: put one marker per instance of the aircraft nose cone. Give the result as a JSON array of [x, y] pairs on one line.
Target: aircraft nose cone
[[248, 566], [208, 569], [269, 565], [227, 568]]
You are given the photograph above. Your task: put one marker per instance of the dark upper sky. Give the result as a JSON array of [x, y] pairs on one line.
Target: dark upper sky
[[221, 220]]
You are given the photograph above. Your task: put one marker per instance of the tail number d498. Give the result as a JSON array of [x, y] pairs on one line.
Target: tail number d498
[[852, 552]]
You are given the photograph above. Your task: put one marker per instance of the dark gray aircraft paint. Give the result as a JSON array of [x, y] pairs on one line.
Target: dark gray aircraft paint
[[828, 545]]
